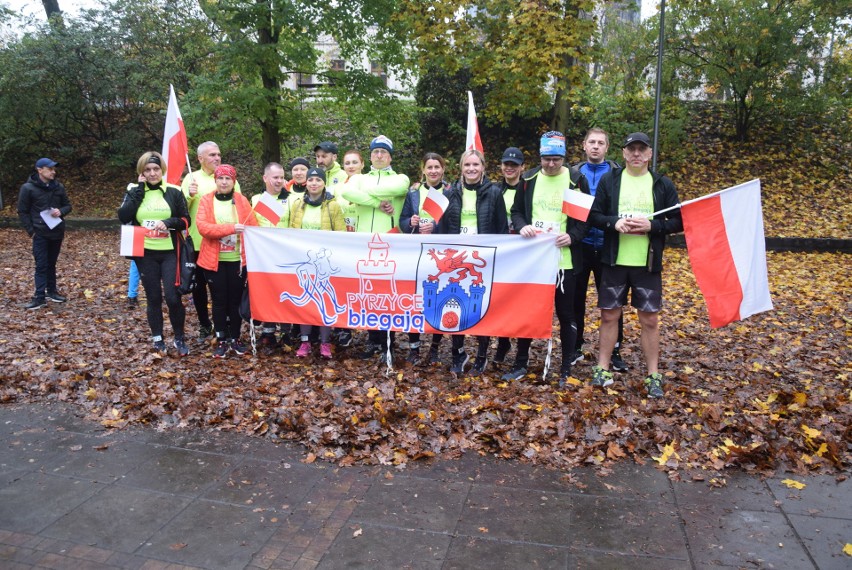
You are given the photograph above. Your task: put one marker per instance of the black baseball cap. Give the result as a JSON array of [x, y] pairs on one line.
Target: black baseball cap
[[636, 137], [326, 146], [513, 155]]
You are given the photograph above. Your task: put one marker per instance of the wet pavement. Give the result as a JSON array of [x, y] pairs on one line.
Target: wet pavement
[[76, 495]]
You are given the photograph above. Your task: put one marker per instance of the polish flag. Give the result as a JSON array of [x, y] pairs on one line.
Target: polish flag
[[270, 208], [577, 204], [132, 241], [472, 140], [727, 251], [436, 204], [175, 148]]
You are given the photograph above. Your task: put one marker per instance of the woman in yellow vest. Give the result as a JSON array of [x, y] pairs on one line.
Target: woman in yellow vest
[[316, 210]]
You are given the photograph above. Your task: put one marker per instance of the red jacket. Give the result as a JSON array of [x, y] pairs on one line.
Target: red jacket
[[208, 256]]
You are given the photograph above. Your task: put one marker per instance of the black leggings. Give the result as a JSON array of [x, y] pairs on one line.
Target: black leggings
[[226, 287], [157, 267], [564, 301], [199, 295]]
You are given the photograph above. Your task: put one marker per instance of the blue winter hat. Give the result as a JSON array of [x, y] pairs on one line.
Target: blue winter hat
[[381, 141], [552, 144]]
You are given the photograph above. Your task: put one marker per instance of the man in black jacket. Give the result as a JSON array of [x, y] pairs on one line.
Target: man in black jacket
[[42, 205], [632, 255]]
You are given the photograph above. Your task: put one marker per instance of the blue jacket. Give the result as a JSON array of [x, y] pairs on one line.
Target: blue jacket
[[593, 173]]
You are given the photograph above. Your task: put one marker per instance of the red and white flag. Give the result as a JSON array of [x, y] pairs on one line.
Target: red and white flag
[[577, 204], [486, 284], [727, 250], [175, 147], [132, 241], [436, 204], [472, 140], [270, 208]]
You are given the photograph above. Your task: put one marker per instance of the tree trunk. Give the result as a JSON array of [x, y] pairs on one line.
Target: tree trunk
[[51, 8], [270, 77]]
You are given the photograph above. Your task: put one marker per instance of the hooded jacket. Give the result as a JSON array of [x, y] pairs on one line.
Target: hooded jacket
[[37, 196]]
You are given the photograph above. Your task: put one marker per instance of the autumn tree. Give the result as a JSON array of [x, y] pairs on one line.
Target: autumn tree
[[754, 50], [530, 54], [265, 41], [97, 86]]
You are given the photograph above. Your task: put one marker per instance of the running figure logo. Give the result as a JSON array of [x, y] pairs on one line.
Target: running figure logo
[[315, 280]]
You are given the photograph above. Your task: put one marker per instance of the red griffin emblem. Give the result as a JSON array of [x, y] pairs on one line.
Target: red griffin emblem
[[450, 261]]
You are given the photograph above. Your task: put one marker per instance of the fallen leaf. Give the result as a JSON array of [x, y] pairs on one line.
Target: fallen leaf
[[794, 484]]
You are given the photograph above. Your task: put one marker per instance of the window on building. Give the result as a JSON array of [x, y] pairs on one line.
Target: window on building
[[379, 71]]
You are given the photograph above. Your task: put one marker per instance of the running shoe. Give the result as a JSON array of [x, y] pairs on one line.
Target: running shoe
[[601, 378], [502, 351], [618, 363], [160, 346], [479, 366], [36, 303], [459, 360], [434, 357], [132, 302], [304, 350], [564, 374], [577, 357], [204, 333], [516, 373], [181, 347], [56, 297], [221, 349], [654, 385], [344, 339], [238, 347], [370, 350], [325, 350], [413, 356]]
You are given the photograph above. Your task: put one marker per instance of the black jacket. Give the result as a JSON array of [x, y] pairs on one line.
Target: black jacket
[[490, 209], [522, 211], [35, 197], [604, 215], [174, 197]]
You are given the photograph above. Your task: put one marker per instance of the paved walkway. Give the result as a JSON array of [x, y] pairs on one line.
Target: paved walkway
[[74, 495]]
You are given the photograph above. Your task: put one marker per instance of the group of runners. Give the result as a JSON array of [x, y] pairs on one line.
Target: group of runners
[[620, 244]]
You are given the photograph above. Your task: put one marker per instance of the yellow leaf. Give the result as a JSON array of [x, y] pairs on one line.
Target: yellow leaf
[[822, 449], [464, 397], [107, 373], [756, 366], [91, 393], [89, 294], [688, 370], [847, 550], [573, 381], [668, 452], [810, 432], [800, 398], [372, 392], [794, 484], [771, 398], [524, 407]]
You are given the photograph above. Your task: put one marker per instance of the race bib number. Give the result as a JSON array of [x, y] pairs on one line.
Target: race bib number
[[151, 232], [542, 227], [350, 224], [467, 230], [228, 243]]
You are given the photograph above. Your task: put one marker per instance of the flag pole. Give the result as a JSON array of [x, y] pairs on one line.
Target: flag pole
[[706, 196]]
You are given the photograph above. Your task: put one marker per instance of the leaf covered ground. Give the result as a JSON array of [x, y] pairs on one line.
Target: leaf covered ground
[[772, 392]]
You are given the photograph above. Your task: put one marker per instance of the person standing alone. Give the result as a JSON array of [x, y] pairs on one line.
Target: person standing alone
[[42, 207]]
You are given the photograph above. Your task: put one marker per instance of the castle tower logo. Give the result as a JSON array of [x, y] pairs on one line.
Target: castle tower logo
[[377, 267], [455, 284]]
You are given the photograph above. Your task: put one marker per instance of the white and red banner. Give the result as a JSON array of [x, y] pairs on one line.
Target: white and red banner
[[436, 204], [132, 241], [727, 250], [577, 204], [472, 139], [270, 208], [175, 147], [495, 285]]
